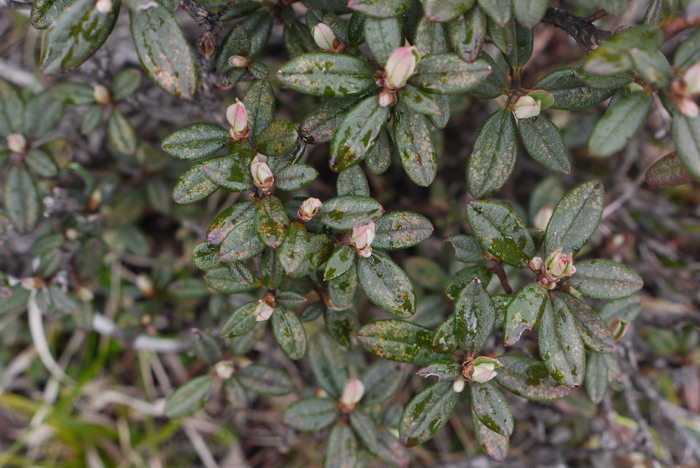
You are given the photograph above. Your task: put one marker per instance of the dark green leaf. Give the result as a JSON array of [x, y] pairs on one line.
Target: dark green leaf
[[379, 8], [445, 10], [381, 380], [242, 242], [522, 45], [688, 52], [430, 37], [11, 110], [237, 42], [467, 35], [491, 408], [570, 92], [528, 378], [357, 133], [228, 219], [619, 124], [44, 12], [379, 157], [295, 177], [419, 101], [326, 74], [195, 141], [221, 280], [530, 12], [341, 450], [206, 256], [560, 344], [41, 115], [467, 248], [341, 290], [231, 172], [329, 364], [73, 93], [474, 316], [365, 429], [241, 321], [271, 221], [400, 230], [449, 74], [493, 157], [121, 135], [294, 248], [311, 414], [626, 309], [427, 413], [595, 334], [259, 102], [277, 139], [189, 397], [464, 277], [386, 284], [399, 340], [497, 10], [414, 143], [265, 380], [425, 273], [605, 279], [21, 199], [686, 136], [348, 211], [524, 311], [382, 37], [445, 370], [320, 124], [492, 443], [342, 259], [125, 83], [596, 377], [342, 324], [543, 142], [352, 181], [40, 163], [289, 332]]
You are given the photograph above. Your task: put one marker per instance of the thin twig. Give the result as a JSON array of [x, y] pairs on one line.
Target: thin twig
[[584, 32]]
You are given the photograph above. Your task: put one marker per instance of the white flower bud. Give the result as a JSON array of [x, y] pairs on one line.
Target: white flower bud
[[224, 369], [458, 385], [16, 143], [308, 209], [483, 370], [352, 393], [687, 107], [262, 174], [386, 97], [526, 107], [237, 117], [400, 66], [536, 264], [263, 311], [362, 238], [324, 37], [542, 217], [692, 80], [104, 6], [145, 285], [101, 94]]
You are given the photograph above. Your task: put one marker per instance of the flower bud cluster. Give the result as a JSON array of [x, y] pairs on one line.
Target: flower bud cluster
[[554, 268]]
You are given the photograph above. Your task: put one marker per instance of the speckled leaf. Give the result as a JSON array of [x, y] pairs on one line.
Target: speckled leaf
[[596, 377], [398, 340], [206, 256], [430, 37], [605, 279], [386, 284], [501, 231], [265, 380], [688, 52], [575, 218], [560, 344], [241, 321], [342, 324], [125, 83], [295, 177], [348, 211], [445, 10], [467, 35], [294, 248], [382, 37], [259, 102], [41, 115], [271, 221], [498, 10], [237, 42], [320, 124], [195, 141], [523, 312], [352, 181], [474, 316], [425, 272], [241, 273], [491, 408], [379, 157], [414, 143], [44, 12], [230, 172], [467, 248], [76, 33], [290, 299], [40, 163], [329, 364], [686, 136], [626, 309], [365, 429], [417, 100], [570, 92], [326, 74], [521, 48], [121, 135], [289, 332], [530, 12], [464, 277], [342, 259], [493, 157], [242, 242], [427, 413], [381, 380], [163, 51], [311, 414], [357, 133], [446, 370], [228, 219], [528, 378], [400, 230], [341, 290], [189, 397], [543, 142], [595, 334], [277, 139], [449, 74], [379, 8], [492, 443], [667, 172], [342, 448], [11, 110], [21, 199], [221, 280], [619, 124]]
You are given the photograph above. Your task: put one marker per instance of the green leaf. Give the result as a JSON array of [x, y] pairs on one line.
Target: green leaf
[[652, 66], [259, 102], [74, 94], [237, 42], [427, 413], [414, 143], [271, 221], [381, 380], [206, 256], [294, 248], [222, 280], [606, 82], [189, 397], [289, 332], [524, 311], [341, 290], [195, 141], [400, 230], [41, 115], [419, 101], [464, 277], [91, 119], [21, 199], [521, 47], [365, 429], [596, 377], [493, 157], [491, 408], [474, 316], [352, 181], [528, 378], [430, 37], [379, 157], [44, 12], [11, 110], [342, 259], [329, 364], [425, 272], [242, 242], [530, 12], [125, 83], [320, 124], [121, 135], [619, 124], [498, 10], [501, 232], [382, 37], [241, 321], [40, 163], [75, 34], [449, 74], [295, 177], [342, 449], [357, 133], [626, 309], [231, 172], [467, 35], [688, 52], [163, 51], [228, 219], [492, 443], [326, 74], [560, 344], [605, 279], [613, 55], [265, 380], [348, 211], [686, 136], [379, 8], [594, 332], [386, 284], [342, 324], [570, 92], [277, 139], [575, 218], [398, 340], [311, 414], [467, 248], [543, 142], [667, 172], [445, 10], [290, 299]]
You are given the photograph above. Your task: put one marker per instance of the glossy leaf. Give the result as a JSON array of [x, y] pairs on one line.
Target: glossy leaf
[[319, 125], [277, 139], [242, 242], [228, 219], [295, 177], [289, 332], [379, 8], [326, 74], [467, 249], [605, 279], [463, 278], [570, 92], [544, 143], [294, 248], [445, 10], [474, 316], [259, 102], [400, 230], [195, 141], [498, 10], [382, 37], [348, 211], [241, 321], [467, 35], [44, 12], [524, 311], [398, 340], [427, 413], [357, 133], [419, 101], [492, 443], [386, 284], [491, 408], [493, 157], [619, 124], [341, 291], [561, 347], [415, 146], [530, 12], [342, 259], [271, 221], [528, 378], [352, 181], [449, 74], [381, 380]]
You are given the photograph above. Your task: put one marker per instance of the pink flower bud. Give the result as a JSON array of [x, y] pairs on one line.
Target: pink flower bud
[[263, 311], [484, 369], [262, 174], [536, 264], [458, 385], [239, 61], [224, 369], [103, 6], [101, 94], [558, 265], [238, 118], [16, 143], [308, 209], [526, 107], [400, 66], [542, 217], [324, 37], [687, 107], [352, 393], [692, 80], [362, 238], [145, 285], [386, 97]]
